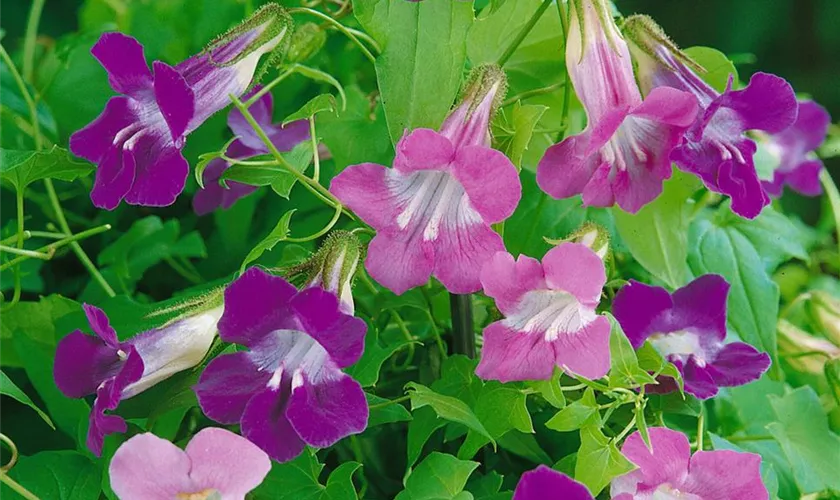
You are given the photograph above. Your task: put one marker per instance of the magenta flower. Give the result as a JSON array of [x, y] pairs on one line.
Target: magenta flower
[[716, 147], [544, 483], [217, 464], [688, 328], [136, 142], [550, 317], [623, 155], [799, 167], [115, 370], [287, 389], [247, 145], [432, 211], [668, 470]]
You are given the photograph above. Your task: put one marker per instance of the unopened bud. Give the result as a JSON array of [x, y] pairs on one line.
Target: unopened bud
[[590, 234], [468, 124], [307, 40], [825, 311], [832, 376], [803, 351]]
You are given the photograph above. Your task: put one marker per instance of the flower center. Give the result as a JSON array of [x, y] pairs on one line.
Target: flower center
[[290, 353], [679, 345], [625, 148], [550, 313], [208, 494], [431, 199]]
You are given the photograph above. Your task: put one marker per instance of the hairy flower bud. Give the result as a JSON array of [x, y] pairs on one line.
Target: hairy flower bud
[[592, 235], [307, 40]]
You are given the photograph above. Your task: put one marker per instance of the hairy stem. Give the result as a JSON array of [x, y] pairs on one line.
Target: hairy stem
[[463, 341], [523, 32]]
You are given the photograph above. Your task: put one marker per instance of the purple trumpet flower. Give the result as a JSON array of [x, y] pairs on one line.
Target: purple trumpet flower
[[716, 147], [432, 211], [136, 142], [668, 470], [287, 390], [688, 329], [247, 145], [115, 370], [544, 483], [623, 155], [799, 168]]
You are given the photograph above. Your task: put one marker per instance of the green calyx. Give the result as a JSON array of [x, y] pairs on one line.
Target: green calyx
[[605, 19], [271, 20], [307, 40], [648, 37], [333, 266], [482, 80], [192, 307], [590, 234]]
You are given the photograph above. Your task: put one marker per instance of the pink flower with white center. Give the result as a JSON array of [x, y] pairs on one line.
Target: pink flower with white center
[[216, 465], [550, 319], [623, 155], [668, 471], [432, 211]]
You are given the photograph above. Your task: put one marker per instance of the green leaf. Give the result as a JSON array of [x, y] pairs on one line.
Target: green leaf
[[8, 388], [718, 67], [446, 407], [280, 179], [318, 104], [808, 443], [21, 168], [524, 445], [278, 234], [624, 370], [598, 460], [319, 76], [513, 134], [501, 409], [57, 475], [651, 361], [550, 389], [753, 302], [487, 487], [385, 412], [422, 61], [298, 480], [656, 235], [581, 413], [366, 370], [423, 424], [438, 477]]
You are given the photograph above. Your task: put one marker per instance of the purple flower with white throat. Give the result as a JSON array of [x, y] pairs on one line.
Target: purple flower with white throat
[[667, 470], [115, 370], [716, 147], [544, 483], [287, 390], [432, 211], [550, 319], [216, 465], [798, 168], [623, 155], [246, 145], [136, 142], [688, 329]]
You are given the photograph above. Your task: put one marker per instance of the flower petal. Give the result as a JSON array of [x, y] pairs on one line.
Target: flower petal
[[399, 264], [82, 363], [566, 168], [576, 269], [264, 423], [148, 467], [586, 352], [256, 304], [123, 59], [100, 325], [226, 462], [160, 171], [805, 179], [726, 474], [261, 110], [365, 189], [544, 483], [114, 178], [511, 355], [460, 252], [108, 397], [811, 125], [767, 103], [698, 380], [702, 305], [506, 280], [637, 306], [174, 98], [737, 364], [341, 335], [740, 181], [423, 149], [227, 384], [666, 462], [96, 140], [328, 411], [490, 180]]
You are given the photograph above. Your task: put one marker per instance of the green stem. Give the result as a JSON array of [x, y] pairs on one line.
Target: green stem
[[833, 199], [463, 341], [567, 89], [267, 88], [533, 93], [30, 38], [523, 32], [24, 91], [13, 238], [181, 270], [316, 160], [29, 253], [58, 244], [389, 403], [701, 428], [572, 387], [340, 27], [14, 485], [322, 232], [630, 426]]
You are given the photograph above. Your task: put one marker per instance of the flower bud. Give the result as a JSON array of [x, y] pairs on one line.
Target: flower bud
[[825, 311], [590, 234], [307, 40], [469, 122], [803, 351]]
